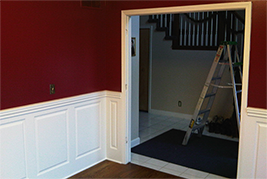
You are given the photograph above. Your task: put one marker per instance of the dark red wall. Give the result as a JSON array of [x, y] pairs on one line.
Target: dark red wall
[[50, 43], [257, 76], [79, 49]]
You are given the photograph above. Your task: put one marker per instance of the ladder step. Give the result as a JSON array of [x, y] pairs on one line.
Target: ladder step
[[203, 111], [220, 86], [237, 84], [210, 94], [198, 123]]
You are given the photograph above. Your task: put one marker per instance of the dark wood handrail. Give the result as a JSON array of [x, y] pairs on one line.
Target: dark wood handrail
[[200, 30]]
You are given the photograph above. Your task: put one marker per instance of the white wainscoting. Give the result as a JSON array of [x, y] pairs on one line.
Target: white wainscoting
[[59, 138], [114, 127], [253, 144]]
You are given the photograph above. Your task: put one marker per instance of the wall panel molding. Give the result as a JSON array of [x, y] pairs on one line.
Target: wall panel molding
[[34, 108], [253, 144], [55, 139], [52, 144], [257, 112], [87, 115], [114, 119], [261, 148], [113, 124], [13, 150]]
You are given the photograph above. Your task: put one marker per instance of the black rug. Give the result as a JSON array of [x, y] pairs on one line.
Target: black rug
[[207, 154]]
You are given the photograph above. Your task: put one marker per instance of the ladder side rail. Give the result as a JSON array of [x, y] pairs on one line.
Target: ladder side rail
[[219, 74], [201, 124], [187, 134], [203, 94], [215, 89], [208, 80], [212, 98], [234, 87]]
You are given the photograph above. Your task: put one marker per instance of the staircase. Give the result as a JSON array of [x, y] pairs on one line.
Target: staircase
[[201, 30]]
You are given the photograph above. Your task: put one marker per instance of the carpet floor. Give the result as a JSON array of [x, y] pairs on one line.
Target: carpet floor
[[208, 154]]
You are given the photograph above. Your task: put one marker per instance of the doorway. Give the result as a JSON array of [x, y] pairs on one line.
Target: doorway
[[178, 75], [125, 48], [151, 125]]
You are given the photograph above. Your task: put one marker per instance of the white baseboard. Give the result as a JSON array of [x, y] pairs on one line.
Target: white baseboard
[[135, 142], [171, 114]]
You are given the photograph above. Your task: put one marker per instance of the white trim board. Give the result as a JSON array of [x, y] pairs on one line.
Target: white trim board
[[135, 142], [256, 112], [171, 114], [23, 110]]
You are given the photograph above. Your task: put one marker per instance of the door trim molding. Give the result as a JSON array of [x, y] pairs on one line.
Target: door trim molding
[[125, 53]]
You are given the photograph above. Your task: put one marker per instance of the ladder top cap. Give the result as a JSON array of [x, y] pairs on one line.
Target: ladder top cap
[[228, 43]]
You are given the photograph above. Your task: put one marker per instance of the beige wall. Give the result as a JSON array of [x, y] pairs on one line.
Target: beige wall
[[179, 75]]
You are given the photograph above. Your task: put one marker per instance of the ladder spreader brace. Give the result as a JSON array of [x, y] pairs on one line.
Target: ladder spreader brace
[[198, 123]]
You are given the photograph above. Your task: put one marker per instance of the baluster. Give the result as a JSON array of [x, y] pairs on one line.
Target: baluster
[[211, 30], [215, 30], [217, 40], [170, 24], [189, 32], [203, 31], [194, 30], [161, 20], [181, 30], [185, 33], [198, 27], [166, 20]]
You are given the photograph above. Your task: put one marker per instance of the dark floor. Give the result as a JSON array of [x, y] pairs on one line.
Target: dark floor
[[108, 169]]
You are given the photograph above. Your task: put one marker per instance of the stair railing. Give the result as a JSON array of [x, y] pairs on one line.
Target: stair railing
[[164, 22], [201, 30]]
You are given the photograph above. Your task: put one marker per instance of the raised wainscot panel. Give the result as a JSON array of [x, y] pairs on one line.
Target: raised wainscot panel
[[261, 151], [12, 150], [114, 130], [113, 124], [54, 139], [51, 141], [87, 126]]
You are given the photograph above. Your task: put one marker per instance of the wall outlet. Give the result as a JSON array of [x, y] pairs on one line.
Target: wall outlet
[[52, 89], [180, 103]]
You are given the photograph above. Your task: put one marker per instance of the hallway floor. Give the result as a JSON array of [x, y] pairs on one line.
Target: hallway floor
[[151, 125]]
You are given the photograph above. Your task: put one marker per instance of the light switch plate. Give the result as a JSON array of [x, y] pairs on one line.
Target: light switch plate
[[52, 89]]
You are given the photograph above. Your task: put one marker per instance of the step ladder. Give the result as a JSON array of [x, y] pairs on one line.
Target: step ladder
[[213, 80]]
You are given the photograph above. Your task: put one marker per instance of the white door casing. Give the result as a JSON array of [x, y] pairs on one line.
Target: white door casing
[[126, 72]]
